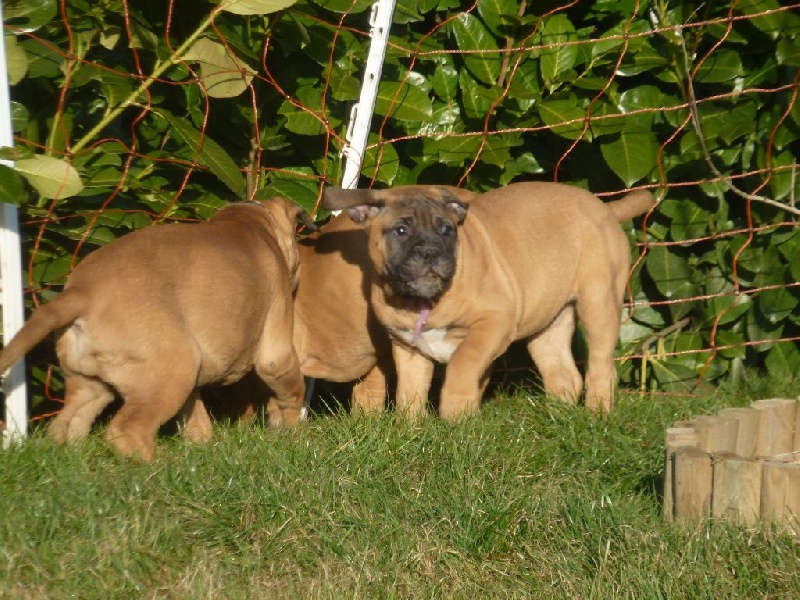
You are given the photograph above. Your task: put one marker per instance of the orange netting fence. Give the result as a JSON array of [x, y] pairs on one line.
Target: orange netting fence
[[165, 111]]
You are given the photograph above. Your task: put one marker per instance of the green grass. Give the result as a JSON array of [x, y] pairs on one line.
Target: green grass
[[528, 499]]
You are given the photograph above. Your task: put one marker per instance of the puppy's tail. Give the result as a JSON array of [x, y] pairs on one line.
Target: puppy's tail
[[631, 205], [54, 315]]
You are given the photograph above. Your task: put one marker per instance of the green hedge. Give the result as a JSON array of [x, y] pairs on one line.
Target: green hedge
[[127, 113]]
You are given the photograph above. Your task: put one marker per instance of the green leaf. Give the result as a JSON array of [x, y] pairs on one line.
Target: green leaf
[[471, 34], [729, 308], [735, 340], [222, 74], [208, 153], [411, 103], [451, 150], [302, 122], [476, 99], [19, 116], [783, 180], [631, 156], [498, 14], [51, 177], [674, 377], [555, 112], [43, 59], [11, 189], [646, 59], [380, 162], [29, 15], [761, 331], [344, 86], [720, 67], [302, 190], [51, 265], [603, 121], [556, 60], [688, 219], [254, 7], [344, 6], [772, 23], [445, 78], [16, 60], [643, 97], [671, 273], [104, 177], [764, 261], [776, 304], [790, 253], [783, 360], [788, 52], [497, 149]]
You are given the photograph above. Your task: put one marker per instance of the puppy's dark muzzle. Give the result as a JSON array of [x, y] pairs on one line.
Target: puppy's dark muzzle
[[424, 272]]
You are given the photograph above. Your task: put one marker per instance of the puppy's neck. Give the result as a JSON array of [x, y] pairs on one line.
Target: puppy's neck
[[421, 307], [422, 318]]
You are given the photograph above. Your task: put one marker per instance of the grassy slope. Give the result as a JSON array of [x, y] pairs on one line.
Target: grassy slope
[[529, 498]]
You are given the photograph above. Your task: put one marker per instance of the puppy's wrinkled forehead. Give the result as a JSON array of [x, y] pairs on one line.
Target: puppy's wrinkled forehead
[[421, 208]]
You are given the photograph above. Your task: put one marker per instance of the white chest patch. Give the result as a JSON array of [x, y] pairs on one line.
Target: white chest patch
[[432, 343]]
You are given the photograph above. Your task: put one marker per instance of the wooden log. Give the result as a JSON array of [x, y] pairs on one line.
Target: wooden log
[[746, 429], [736, 489], [676, 437], [720, 435], [780, 494], [692, 475], [683, 424], [796, 446], [703, 424], [775, 426]]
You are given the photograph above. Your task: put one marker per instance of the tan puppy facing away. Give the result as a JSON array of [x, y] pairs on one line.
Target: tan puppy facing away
[[164, 310], [336, 334], [457, 277]]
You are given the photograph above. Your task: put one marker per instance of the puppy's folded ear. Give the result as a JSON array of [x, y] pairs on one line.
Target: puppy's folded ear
[[305, 220], [360, 205], [462, 195]]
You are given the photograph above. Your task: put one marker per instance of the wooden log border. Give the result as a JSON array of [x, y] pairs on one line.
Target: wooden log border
[[741, 465]]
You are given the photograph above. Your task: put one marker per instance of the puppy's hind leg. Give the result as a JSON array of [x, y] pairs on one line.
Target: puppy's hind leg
[[276, 363], [369, 393], [85, 398], [195, 423], [152, 392], [551, 351], [600, 312], [282, 374]]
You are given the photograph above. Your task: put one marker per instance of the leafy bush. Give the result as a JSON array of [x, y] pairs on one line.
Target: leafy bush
[[127, 114]]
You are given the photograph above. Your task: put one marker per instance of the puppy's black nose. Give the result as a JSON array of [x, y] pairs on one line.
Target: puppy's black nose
[[428, 252]]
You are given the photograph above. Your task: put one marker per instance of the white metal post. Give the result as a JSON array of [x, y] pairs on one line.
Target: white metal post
[[14, 388], [361, 114]]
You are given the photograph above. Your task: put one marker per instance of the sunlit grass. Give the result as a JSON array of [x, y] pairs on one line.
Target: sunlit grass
[[529, 498]]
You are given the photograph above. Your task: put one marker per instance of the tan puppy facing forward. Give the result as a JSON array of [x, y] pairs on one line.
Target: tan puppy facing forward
[[457, 277], [164, 310]]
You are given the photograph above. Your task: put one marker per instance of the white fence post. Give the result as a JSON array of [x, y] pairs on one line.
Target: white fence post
[[14, 388], [361, 114]]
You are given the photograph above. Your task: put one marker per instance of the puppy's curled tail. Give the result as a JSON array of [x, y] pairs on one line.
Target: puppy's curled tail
[[631, 205], [54, 315]]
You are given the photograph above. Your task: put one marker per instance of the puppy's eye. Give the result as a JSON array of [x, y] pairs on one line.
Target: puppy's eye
[[447, 229], [400, 230]]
